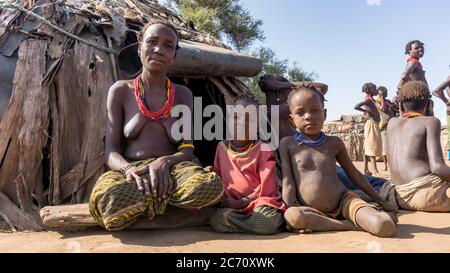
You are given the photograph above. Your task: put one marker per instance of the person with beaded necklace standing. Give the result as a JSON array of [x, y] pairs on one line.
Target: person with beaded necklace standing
[[149, 169], [372, 134]]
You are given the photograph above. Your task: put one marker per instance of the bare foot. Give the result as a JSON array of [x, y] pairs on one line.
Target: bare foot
[[299, 231]]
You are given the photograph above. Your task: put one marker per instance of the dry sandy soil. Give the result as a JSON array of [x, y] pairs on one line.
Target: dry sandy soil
[[416, 232]]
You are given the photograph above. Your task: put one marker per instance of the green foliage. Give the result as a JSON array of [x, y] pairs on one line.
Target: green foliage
[[224, 19], [229, 21], [296, 74], [275, 66]]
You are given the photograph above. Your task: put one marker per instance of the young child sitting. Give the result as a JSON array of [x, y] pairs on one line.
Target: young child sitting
[[252, 200], [414, 153], [316, 200]]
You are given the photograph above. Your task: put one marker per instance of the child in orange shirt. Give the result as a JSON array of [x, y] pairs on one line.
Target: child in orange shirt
[[252, 200]]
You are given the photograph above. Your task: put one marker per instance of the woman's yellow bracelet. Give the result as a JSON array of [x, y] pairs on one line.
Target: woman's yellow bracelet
[[186, 145]]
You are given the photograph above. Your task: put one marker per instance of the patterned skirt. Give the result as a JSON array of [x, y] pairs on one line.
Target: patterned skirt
[[263, 220], [116, 203]]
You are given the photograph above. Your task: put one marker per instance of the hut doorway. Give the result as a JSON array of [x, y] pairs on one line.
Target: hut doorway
[[210, 95]]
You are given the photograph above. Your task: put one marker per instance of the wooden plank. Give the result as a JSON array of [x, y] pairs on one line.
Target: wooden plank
[[23, 127], [78, 216], [79, 175], [197, 59], [16, 217], [79, 118], [7, 17]]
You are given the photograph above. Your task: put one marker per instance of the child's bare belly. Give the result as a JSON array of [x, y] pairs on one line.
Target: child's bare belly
[[321, 192]]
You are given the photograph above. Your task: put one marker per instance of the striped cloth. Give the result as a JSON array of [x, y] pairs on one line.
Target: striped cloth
[[115, 203], [263, 220]]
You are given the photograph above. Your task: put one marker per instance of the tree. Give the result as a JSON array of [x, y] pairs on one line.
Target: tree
[[228, 20], [297, 74], [275, 66], [224, 19]]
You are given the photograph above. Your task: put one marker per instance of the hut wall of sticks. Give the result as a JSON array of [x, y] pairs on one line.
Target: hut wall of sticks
[[351, 130], [57, 62]]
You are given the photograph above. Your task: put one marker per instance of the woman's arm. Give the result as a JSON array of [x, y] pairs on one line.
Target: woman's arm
[[114, 124], [113, 137], [159, 170]]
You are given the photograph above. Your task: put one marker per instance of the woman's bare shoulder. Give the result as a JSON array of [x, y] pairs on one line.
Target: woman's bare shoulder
[[182, 89], [122, 86], [183, 93]]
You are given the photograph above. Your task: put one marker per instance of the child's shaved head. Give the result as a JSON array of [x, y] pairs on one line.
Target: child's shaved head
[[414, 95]]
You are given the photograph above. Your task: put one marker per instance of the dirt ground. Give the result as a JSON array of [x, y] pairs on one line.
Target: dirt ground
[[416, 232]]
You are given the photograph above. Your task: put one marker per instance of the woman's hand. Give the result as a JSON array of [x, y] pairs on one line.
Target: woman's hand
[[208, 168], [140, 177], [160, 179]]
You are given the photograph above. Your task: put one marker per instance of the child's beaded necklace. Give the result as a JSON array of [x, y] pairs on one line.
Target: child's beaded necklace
[[308, 142], [411, 115], [232, 145]]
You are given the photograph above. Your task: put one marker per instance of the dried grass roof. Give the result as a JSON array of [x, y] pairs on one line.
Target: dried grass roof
[[120, 15]]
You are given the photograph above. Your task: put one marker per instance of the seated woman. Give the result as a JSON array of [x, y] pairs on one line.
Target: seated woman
[[149, 169], [252, 200]]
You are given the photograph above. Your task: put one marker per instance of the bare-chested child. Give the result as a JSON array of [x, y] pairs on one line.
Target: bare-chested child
[[439, 92], [387, 111], [414, 153], [414, 69], [315, 198], [372, 134]]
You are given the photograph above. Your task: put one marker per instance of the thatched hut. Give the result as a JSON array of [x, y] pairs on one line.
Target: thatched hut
[[55, 72]]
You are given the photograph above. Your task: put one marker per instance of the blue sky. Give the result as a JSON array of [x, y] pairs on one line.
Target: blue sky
[[350, 42]]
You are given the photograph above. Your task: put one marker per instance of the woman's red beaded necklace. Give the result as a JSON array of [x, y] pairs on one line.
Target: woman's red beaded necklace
[[164, 112]]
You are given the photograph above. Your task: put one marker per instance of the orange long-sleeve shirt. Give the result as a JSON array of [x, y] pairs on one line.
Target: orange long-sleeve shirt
[[247, 173]]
